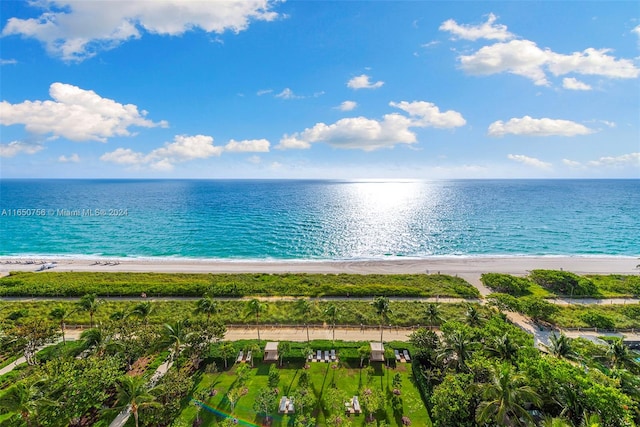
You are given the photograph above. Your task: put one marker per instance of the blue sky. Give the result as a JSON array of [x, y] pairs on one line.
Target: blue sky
[[315, 89]]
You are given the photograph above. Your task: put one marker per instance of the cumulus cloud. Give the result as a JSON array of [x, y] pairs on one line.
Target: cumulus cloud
[[75, 114], [529, 126], [363, 82], [347, 106], [525, 58], [74, 158], [370, 134], [248, 146], [574, 84], [571, 163], [17, 147], [488, 30], [529, 161], [75, 30]]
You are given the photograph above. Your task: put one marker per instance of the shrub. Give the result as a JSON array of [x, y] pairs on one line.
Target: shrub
[[505, 283], [598, 320], [564, 282]]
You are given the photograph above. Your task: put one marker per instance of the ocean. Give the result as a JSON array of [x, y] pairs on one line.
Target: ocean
[[318, 220]]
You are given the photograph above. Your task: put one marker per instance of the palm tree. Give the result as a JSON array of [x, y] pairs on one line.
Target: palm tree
[[332, 312], [175, 335], [142, 311], [94, 338], [208, 306], [503, 347], [591, 420], [383, 309], [132, 393], [560, 346], [61, 313], [473, 316], [303, 307], [255, 307], [22, 399], [556, 422], [620, 356], [457, 349], [503, 396], [90, 303], [432, 313]]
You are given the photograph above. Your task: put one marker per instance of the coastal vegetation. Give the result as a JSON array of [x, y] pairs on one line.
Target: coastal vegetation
[[233, 285]]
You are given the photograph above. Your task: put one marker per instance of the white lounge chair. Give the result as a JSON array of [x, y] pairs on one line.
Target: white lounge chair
[[319, 356], [356, 405], [283, 404], [397, 355], [240, 356], [248, 359], [406, 355], [326, 355], [333, 355]]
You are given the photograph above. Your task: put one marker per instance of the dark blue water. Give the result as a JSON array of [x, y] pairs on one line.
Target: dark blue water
[[319, 219]]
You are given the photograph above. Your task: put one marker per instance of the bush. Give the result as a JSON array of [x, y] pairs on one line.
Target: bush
[[598, 320], [505, 283], [564, 283]]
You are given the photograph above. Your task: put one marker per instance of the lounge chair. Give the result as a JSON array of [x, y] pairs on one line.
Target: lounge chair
[[326, 355], [240, 356], [356, 405], [333, 355], [248, 359], [319, 356], [406, 355], [397, 355], [283, 404]]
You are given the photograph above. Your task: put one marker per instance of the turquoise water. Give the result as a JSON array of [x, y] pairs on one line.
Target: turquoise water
[[318, 219]]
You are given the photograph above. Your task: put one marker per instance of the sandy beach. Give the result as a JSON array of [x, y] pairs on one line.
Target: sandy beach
[[518, 265]]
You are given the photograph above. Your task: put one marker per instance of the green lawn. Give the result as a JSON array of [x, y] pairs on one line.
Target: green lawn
[[346, 376]]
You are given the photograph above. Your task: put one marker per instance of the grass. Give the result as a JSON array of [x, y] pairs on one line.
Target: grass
[[404, 313], [345, 375], [573, 316], [154, 284]]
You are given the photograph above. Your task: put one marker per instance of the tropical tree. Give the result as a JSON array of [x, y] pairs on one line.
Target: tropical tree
[[90, 303], [207, 305], [61, 314], [364, 352], [175, 335], [227, 350], [503, 347], [284, 348], [560, 346], [303, 307], [22, 399], [556, 422], [472, 316], [264, 402], [432, 315], [255, 307], [591, 420], [307, 352], [133, 394], [457, 349], [331, 311], [142, 311], [503, 397], [383, 309], [620, 356]]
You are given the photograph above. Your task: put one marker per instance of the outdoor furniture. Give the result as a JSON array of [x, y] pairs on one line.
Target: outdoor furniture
[[333, 355], [271, 352], [377, 352], [240, 356], [248, 358], [283, 404], [311, 358], [406, 355], [356, 405], [326, 355], [397, 355], [319, 356]]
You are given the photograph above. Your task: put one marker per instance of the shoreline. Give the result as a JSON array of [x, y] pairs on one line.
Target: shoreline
[[518, 265]]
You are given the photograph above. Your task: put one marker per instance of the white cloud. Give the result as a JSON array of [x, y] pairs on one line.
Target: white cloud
[[17, 147], [288, 94], [525, 58], [264, 92], [76, 30], [631, 159], [248, 146], [75, 114], [74, 158], [256, 160], [571, 163], [574, 84], [529, 161], [182, 149], [429, 114], [8, 61], [347, 106], [486, 30], [363, 82], [537, 127], [369, 134]]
